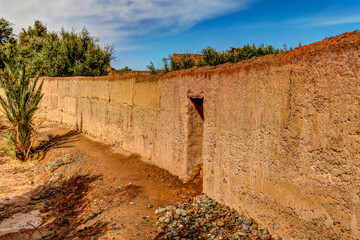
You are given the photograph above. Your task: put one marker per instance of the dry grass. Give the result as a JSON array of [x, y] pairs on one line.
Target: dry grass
[[7, 190]]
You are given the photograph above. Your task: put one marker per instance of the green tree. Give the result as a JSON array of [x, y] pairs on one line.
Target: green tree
[[8, 49], [20, 102], [8, 52], [64, 53], [6, 30]]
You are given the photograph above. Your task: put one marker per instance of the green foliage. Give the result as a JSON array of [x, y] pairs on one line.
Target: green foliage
[[8, 49], [63, 53], [8, 53], [212, 57], [166, 65], [20, 102], [6, 30], [152, 69], [171, 65], [184, 63], [126, 68]]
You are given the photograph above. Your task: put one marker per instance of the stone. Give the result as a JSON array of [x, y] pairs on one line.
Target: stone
[[160, 210], [220, 223], [265, 237], [245, 227], [190, 220], [247, 221]]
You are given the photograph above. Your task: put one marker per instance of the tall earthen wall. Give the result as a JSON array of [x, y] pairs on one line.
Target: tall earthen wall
[[280, 137]]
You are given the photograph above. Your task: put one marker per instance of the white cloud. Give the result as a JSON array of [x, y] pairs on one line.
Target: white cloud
[[117, 20], [328, 20]]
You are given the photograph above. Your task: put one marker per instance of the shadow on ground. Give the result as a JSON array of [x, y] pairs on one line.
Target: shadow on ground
[[64, 203], [56, 142], [93, 192]]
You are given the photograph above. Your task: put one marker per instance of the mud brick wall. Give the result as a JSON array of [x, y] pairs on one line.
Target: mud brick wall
[[280, 139], [130, 111]]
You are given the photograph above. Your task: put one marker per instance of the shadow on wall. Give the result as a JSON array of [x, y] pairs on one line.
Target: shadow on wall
[[194, 137]]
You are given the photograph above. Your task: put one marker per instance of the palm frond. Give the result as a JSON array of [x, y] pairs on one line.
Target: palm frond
[[20, 101]]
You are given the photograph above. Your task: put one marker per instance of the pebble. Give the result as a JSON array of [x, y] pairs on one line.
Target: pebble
[[265, 237], [204, 218], [160, 210], [220, 223]]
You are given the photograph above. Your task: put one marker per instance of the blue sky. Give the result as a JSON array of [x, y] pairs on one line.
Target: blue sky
[[144, 30]]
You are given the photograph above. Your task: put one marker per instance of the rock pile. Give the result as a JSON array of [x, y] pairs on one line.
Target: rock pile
[[204, 218]]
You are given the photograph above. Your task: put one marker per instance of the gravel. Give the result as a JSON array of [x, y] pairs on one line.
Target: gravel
[[204, 218]]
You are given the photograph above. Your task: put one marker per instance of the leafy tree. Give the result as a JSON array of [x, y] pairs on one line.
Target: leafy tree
[[8, 49], [20, 102], [64, 53], [8, 53], [6, 30]]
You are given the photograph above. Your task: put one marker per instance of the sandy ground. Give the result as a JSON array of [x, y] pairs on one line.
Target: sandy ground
[[84, 190]]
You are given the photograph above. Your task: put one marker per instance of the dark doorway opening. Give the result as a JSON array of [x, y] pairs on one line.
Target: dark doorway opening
[[194, 138], [199, 106]]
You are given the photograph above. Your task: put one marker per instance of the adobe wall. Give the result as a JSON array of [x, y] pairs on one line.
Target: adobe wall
[[281, 135], [126, 111]]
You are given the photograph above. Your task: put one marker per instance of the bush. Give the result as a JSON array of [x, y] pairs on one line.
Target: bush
[[152, 69], [124, 69], [20, 102]]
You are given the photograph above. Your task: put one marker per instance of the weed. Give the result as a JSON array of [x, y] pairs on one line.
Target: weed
[[152, 68]]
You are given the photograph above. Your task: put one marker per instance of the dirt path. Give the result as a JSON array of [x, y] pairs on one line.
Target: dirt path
[[84, 190]]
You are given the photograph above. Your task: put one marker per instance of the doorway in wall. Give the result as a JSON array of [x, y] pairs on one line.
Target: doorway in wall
[[195, 131]]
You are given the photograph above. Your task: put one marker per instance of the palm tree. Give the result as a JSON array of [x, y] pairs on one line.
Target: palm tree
[[20, 99]]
